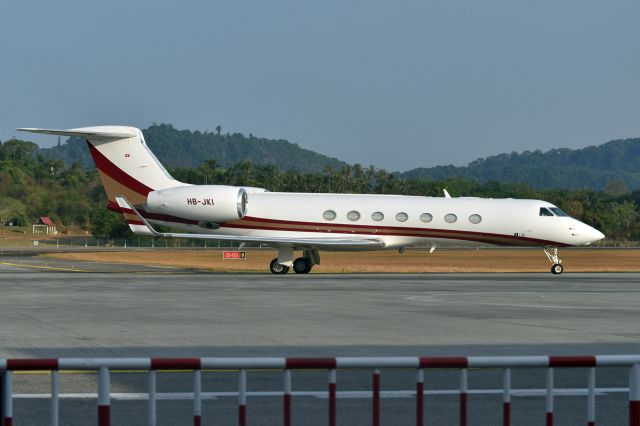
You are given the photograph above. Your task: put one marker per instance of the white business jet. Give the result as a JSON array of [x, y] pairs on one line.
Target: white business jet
[[140, 188]]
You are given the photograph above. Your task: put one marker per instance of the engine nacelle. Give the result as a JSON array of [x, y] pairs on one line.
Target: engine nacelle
[[206, 203]]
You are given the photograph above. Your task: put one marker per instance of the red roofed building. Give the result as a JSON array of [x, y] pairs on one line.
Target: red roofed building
[[44, 226]]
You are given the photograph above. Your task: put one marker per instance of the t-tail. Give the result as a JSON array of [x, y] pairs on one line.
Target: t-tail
[[126, 165]]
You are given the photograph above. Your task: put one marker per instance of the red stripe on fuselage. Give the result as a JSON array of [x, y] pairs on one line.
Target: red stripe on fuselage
[[385, 230], [390, 231], [106, 166]]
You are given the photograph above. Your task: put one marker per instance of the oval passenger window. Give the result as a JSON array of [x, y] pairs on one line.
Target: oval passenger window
[[475, 218], [377, 216], [402, 217], [426, 217], [353, 215], [329, 215]]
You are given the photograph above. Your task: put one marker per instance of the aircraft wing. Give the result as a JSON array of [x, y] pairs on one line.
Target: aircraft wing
[[337, 242]]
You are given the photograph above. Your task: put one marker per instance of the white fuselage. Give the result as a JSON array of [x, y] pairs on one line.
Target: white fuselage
[[502, 221]]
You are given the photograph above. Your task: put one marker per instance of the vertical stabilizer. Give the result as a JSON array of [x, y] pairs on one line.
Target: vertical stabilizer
[[124, 161]]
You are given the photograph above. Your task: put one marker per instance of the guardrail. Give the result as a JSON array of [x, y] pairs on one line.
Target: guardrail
[[105, 365]]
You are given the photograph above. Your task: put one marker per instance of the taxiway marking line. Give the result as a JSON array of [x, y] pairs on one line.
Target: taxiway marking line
[[25, 265]]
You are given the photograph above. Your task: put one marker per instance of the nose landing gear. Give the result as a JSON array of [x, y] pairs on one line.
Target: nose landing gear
[[552, 255]]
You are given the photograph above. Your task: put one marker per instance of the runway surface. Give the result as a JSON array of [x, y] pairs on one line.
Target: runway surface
[[48, 309]]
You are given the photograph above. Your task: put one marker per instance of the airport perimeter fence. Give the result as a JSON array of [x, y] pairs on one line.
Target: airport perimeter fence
[[465, 365]]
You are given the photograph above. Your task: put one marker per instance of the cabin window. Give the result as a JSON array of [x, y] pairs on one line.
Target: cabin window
[[545, 212], [353, 215], [475, 219], [426, 217], [450, 218], [377, 216], [402, 217], [329, 215], [558, 212]]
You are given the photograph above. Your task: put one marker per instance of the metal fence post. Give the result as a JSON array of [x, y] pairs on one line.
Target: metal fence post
[[549, 397], [7, 401], [634, 395], [376, 398], [242, 398], [463, 397], [104, 400], [2, 393], [506, 397], [591, 397], [332, 397], [420, 397], [287, 397], [54, 398], [197, 397], [152, 398]]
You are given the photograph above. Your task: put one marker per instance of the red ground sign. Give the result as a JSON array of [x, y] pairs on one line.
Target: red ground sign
[[234, 255]]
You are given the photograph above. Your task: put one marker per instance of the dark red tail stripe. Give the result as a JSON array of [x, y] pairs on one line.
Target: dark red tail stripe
[[32, 364], [106, 166], [443, 362], [572, 361]]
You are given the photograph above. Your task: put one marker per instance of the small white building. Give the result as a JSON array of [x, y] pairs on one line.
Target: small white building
[[44, 226]]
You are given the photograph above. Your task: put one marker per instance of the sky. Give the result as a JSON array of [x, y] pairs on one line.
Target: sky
[[399, 84]]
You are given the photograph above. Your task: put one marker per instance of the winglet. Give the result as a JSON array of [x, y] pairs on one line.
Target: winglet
[[446, 193], [137, 223]]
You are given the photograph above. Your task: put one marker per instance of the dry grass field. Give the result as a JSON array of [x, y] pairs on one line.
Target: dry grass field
[[484, 260]]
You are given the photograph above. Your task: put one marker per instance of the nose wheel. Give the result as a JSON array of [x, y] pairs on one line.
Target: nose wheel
[[552, 255]]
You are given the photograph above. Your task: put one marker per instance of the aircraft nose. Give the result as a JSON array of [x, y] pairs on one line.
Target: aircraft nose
[[591, 234]]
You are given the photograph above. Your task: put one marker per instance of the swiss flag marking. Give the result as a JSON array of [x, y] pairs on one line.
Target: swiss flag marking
[[127, 156]]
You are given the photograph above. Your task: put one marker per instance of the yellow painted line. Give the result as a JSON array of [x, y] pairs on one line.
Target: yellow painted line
[[54, 268]]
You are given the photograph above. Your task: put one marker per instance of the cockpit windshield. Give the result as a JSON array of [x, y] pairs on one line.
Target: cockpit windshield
[[552, 211], [545, 212], [558, 212]]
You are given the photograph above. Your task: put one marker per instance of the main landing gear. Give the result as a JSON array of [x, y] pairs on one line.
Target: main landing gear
[[552, 255], [277, 268], [302, 265]]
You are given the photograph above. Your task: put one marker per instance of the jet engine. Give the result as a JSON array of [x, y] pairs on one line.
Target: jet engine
[[209, 204]]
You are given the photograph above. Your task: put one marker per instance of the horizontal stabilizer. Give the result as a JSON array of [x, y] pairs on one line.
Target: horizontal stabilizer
[[364, 242], [106, 132]]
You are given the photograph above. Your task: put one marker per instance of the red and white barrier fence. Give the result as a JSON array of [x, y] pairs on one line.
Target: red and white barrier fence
[[104, 366]]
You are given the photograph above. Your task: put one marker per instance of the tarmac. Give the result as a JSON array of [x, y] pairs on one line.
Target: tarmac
[[52, 308]]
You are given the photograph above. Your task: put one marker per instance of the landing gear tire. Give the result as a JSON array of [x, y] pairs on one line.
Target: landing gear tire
[[277, 268], [552, 255], [302, 265]]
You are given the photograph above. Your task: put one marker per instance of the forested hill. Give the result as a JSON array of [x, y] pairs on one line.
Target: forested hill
[[613, 166], [595, 167], [186, 149]]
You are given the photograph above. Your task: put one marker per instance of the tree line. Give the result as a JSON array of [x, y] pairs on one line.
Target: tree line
[[33, 186]]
